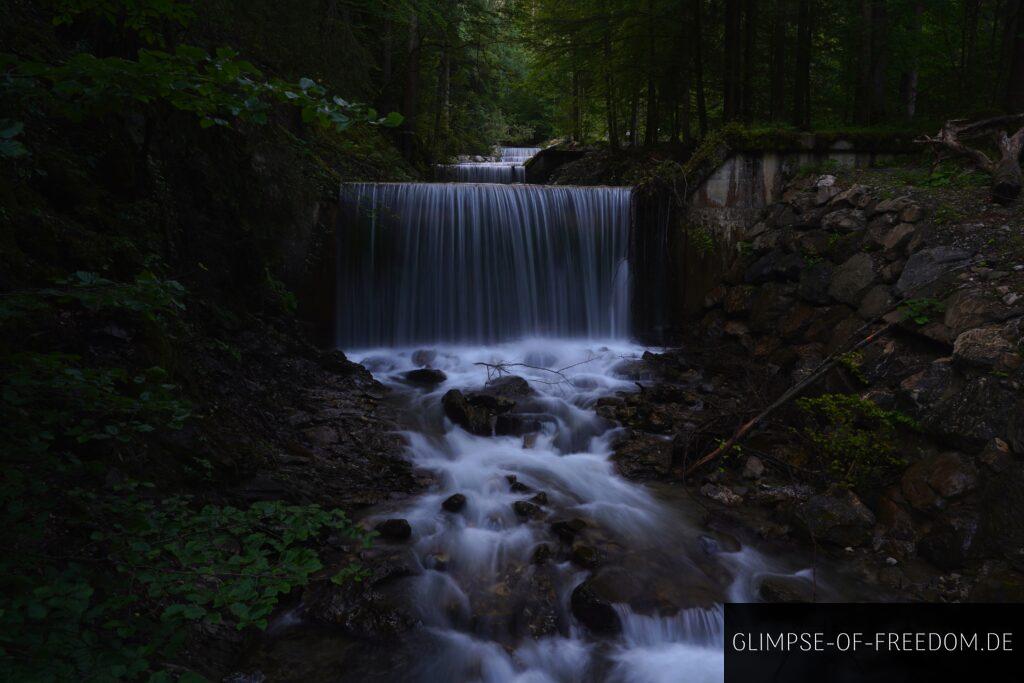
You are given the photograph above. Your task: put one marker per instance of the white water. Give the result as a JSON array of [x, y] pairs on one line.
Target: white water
[[430, 262], [508, 167], [478, 562]]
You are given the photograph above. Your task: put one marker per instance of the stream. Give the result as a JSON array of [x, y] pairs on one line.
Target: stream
[[536, 561]]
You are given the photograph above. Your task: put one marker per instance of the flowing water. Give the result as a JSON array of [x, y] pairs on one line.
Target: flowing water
[[483, 280], [507, 168]]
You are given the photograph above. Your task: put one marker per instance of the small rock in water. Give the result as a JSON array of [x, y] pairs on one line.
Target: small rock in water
[[516, 486], [566, 529], [527, 509], [424, 357], [785, 589], [721, 494], [585, 555], [454, 502], [529, 440], [394, 529], [753, 468], [542, 553], [540, 499], [425, 377]]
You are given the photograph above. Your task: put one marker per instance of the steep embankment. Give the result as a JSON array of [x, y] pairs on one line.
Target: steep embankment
[[172, 438], [903, 456]]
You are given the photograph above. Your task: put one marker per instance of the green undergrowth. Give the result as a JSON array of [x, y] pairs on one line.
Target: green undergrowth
[[106, 575], [853, 442]]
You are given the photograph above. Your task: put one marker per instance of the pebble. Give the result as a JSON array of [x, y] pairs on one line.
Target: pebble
[[891, 561]]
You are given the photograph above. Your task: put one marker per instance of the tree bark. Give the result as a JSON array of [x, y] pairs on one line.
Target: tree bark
[[802, 79], [1005, 171], [731, 80], [879, 56], [1015, 53], [778, 62], [634, 118], [410, 93], [749, 59], [908, 81], [651, 125], [609, 90], [698, 66]]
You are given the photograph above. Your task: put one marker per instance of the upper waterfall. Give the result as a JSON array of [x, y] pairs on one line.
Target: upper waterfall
[[507, 166], [421, 263]]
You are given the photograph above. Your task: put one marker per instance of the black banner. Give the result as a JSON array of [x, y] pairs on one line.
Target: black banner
[[875, 643]]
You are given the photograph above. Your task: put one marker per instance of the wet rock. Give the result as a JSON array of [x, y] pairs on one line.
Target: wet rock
[[474, 418], [984, 347], [454, 502], [642, 455], [924, 269], [719, 543], [567, 529], [775, 265], [515, 425], [539, 614], [721, 494], [970, 308], [838, 518], [785, 589], [394, 529], [739, 299], [814, 283], [782, 493], [540, 499], [593, 608], [424, 358], [542, 553], [323, 435], [509, 386], [527, 510], [753, 468], [949, 544], [996, 455], [856, 196], [876, 302], [852, 278], [844, 220], [585, 555], [425, 377], [515, 485], [930, 483]]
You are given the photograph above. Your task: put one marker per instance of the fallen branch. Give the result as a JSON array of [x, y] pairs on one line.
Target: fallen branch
[[1005, 171], [791, 393]]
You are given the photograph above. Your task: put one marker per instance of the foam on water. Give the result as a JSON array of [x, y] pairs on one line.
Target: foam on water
[[485, 544]]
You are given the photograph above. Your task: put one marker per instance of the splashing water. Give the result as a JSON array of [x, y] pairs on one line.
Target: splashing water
[[481, 587]]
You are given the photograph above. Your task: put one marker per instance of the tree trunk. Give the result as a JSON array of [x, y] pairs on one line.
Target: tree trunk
[[651, 124], [802, 79], [410, 93], [778, 62], [577, 115], [749, 59], [879, 54], [731, 81], [698, 66], [609, 92], [908, 81], [1015, 53], [1006, 174], [634, 118]]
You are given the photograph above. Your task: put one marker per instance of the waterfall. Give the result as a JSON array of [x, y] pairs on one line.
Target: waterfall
[[518, 155], [508, 168], [481, 172], [479, 263]]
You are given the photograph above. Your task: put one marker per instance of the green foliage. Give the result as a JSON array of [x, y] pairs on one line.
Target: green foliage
[[855, 441], [281, 294], [218, 88], [53, 398], [920, 311], [167, 567], [145, 17], [853, 361], [702, 240], [9, 147]]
